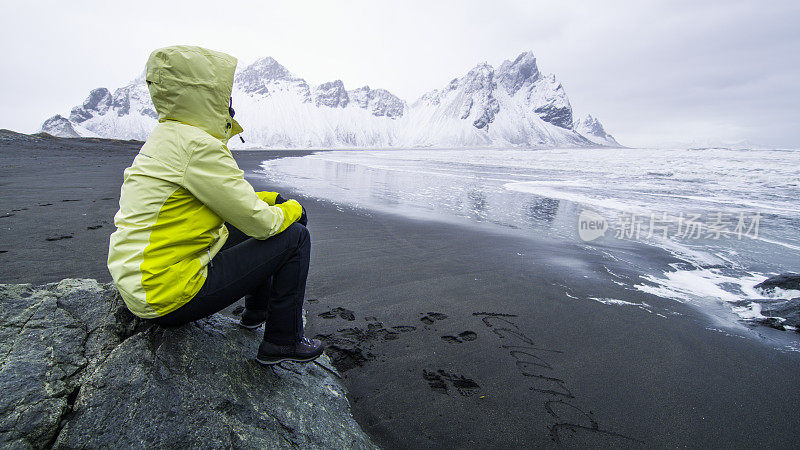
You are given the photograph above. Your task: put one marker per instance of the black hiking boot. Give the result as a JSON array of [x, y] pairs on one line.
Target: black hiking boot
[[252, 319], [304, 350]]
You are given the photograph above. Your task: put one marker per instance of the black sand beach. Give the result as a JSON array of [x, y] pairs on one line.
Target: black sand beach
[[450, 336]]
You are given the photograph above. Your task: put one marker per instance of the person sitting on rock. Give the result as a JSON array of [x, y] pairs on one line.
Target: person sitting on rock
[[192, 236]]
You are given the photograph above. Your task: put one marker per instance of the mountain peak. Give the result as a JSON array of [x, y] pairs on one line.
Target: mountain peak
[[98, 102], [253, 78], [268, 67], [514, 75], [331, 94], [591, 124], [593, 130], [479, 77], [525, 58], [58, 125], [379, 102], [513, 105]]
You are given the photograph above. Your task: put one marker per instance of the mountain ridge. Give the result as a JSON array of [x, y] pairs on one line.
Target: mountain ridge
[[513, 105]]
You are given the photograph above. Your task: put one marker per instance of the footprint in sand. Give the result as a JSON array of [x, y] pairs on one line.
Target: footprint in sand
[[58, 238], [432, 317], [345, 314], [353, 347], [464, 336], [344, 356], [441, 380]]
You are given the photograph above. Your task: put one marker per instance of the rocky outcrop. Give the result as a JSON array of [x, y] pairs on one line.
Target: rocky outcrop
[[521, 78], [331, 94], [591, 128], [59, 125], [98, 102], [781, 307], [781, 314], [786, 282], [78, 370], [379, 102], [266, 77]]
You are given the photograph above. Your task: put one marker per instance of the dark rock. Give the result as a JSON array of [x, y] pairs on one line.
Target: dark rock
[[786, 311], [150, 112], [491, 108], [98, 102], [781, 314], [480, 84], [266, 76], [544, 94], [379, 102], [331, 94], [80, 371], [515, 75], [786, 281], [122, 100], [254, 78], [560, 117]]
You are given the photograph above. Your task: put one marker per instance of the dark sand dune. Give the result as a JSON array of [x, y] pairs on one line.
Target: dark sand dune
[[446, 336]]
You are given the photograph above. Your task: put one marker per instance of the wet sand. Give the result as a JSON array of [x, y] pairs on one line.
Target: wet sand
[[453, 336]]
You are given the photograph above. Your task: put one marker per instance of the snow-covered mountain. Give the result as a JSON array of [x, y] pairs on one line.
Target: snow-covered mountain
[[593, 130], [127, 114], [279, 109], [514, 105]]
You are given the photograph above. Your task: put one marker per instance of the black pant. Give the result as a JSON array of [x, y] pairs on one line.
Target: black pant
[[270, 274]]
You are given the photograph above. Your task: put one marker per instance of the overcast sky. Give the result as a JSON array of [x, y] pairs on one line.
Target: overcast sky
[[653, 72]]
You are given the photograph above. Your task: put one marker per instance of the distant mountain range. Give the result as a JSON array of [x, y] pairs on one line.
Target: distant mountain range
[[514, 105]]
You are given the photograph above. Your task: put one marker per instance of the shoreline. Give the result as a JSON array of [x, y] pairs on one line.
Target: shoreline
[[443, 337], [515, 332]]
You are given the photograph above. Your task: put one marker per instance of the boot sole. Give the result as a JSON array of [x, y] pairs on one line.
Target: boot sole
[[251, 327], [271, 362]]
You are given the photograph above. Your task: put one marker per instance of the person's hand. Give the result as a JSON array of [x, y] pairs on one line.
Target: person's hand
[[303, 220]]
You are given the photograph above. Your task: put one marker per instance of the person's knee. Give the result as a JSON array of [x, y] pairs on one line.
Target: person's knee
[[303, 236]]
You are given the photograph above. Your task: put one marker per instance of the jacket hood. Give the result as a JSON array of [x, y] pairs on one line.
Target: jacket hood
[[193, 85]]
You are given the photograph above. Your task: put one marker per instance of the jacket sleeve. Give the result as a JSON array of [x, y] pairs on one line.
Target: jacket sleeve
[[213, 176], [269, 197]]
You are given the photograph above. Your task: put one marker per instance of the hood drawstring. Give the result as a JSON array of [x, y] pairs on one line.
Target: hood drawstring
[[232, 113]]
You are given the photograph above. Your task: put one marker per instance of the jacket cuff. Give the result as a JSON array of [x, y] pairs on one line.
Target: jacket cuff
[[291, 212], [268, 197]]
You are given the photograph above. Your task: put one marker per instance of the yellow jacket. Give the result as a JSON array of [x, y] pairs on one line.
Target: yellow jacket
[[183, 185]]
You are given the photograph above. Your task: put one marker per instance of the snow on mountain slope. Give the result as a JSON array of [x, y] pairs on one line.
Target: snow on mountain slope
[[278, 109], [514, 105], [59, 125], [592, 129], [127, 114], [523, 81]]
